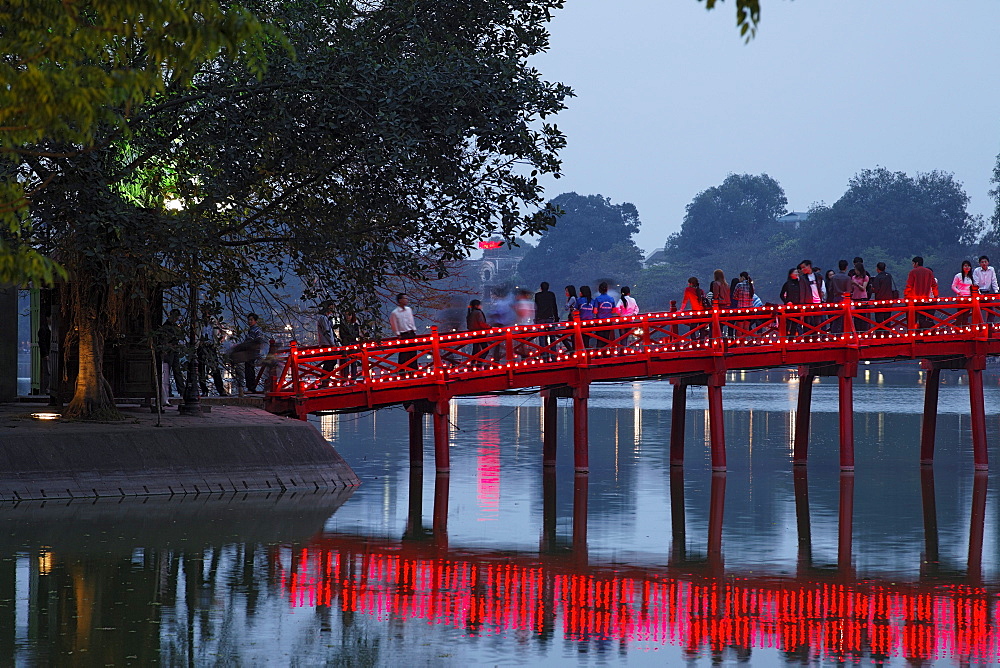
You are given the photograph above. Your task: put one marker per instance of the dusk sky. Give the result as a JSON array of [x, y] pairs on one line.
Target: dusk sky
[[670, 100]]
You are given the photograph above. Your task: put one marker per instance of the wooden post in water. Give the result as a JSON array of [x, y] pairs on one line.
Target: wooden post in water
[[441, 457], [581, 456], [928, 425], [547, 542], [678, 412], [974, 368], [803, 415]]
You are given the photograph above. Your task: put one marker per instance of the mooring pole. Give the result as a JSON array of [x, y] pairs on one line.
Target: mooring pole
[[803, 415], [416, 439], [441, 461], [581, 456], [677, 416], [928, 425], [974, 367], [550, 427]]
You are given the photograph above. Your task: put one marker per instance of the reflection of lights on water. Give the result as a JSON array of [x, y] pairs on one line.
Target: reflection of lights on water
[[328, 426], [636, 415], [791, 430], [44, 562], [914, 621]]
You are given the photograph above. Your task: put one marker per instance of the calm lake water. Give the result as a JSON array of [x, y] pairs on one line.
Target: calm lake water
[[499, 563]]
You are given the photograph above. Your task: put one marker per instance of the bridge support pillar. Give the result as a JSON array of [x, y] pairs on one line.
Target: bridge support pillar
[[416, 439], [550, 420], [928, 424], [975, 367], [716, 425], [581, 485], [581, 455], [803, 415], [846, 383], [441, 455], [678, 413]]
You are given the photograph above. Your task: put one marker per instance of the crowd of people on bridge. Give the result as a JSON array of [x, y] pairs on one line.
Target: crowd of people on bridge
[[805, 284]]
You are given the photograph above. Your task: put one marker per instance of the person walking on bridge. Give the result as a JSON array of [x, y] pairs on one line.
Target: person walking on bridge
[[546, 311], [403, 327], [921, 284], [326, 337]]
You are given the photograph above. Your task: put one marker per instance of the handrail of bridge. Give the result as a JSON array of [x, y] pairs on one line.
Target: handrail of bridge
[[440, 358]]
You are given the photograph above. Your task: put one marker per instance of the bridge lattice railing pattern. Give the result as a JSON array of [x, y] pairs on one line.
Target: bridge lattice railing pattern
[[439, 357]]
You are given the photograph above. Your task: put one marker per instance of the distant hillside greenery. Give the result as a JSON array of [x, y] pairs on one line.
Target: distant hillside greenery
[[882, 216], [590, 242]]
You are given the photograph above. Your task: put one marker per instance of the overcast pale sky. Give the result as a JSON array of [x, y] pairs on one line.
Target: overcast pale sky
[[670, 100]]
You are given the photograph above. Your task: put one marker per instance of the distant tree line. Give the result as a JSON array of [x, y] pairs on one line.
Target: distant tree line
[[883, 216]]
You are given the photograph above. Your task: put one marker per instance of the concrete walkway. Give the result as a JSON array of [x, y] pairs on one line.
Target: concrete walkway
[[234, 448]]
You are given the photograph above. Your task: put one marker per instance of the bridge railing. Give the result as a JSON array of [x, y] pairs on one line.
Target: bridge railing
[[439, 357]]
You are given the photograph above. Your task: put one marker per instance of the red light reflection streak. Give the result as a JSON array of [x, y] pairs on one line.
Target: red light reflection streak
[[831, 620], [488, 471]]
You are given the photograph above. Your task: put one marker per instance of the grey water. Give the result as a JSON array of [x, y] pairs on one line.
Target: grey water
[[503, 563]]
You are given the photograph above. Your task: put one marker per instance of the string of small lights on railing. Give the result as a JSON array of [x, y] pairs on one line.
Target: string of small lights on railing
[[520, 348]]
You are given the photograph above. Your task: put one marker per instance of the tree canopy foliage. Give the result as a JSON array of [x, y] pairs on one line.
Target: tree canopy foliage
[[75, 73], [392, 139], [901, 214], [742, 208], [591, 241]]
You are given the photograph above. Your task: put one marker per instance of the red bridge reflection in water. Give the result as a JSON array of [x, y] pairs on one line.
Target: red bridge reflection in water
[[496, 595]]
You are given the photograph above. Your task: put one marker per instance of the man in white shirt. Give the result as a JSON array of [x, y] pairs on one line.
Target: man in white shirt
[[985, 277], [402, 326], [326, 337]]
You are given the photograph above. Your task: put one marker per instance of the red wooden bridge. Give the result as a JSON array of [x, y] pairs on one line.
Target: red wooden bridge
[[689, 348]]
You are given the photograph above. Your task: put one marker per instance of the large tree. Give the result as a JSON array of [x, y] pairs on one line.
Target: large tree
[[742, 208], [71, 71], [895, 212], [591, 241], [398, 135]]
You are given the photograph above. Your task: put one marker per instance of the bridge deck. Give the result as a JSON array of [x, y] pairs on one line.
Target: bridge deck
[[676, 344]]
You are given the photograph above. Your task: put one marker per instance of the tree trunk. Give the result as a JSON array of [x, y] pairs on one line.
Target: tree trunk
[[91, 398]]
